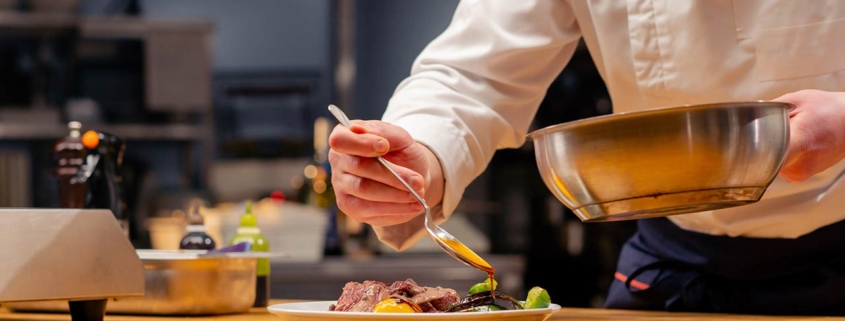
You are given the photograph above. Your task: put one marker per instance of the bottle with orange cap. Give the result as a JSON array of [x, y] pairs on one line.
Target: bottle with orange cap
[[91, 139]]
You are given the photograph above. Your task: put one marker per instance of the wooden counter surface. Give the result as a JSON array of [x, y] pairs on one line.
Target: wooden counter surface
[[569, 314]]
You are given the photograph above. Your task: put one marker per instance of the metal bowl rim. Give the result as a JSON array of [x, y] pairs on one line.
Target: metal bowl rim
[[662, 110]]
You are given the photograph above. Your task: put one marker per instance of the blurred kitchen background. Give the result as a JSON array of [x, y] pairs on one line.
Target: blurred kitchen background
[[225, 101]]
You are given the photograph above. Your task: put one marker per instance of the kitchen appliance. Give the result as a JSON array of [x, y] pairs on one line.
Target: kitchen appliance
[[666, 161], [106, 183], [75, 255], [183, 283], [88, 168]]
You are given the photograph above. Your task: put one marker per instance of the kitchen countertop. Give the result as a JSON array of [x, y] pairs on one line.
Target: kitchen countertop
[[571, 314]]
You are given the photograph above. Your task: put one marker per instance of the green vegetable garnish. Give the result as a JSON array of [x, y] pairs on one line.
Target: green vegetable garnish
[[482, 287], [538, 298]]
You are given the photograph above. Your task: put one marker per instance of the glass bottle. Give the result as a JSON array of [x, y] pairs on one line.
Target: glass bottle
[[249, 232], [196, 239], [70, 156]]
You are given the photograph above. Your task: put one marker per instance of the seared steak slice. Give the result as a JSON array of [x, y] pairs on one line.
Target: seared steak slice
[[349, 297], [428, 308], [407, 288], [448, 299], [361, 297], [430, 299]]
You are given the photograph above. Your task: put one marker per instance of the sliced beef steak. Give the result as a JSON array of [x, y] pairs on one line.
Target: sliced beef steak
[[362, 297]]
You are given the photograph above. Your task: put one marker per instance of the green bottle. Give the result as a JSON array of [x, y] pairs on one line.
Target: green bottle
[[249, 232]]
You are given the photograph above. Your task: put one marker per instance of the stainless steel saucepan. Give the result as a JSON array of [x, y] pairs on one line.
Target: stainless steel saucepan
[[665, 161]]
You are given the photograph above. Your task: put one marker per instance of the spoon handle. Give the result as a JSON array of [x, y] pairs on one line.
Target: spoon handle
[[340, 115]]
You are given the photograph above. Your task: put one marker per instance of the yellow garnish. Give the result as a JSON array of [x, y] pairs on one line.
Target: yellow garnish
[[393, 306]]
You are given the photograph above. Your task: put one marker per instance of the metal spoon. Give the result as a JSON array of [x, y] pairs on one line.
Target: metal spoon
[[446, 241]]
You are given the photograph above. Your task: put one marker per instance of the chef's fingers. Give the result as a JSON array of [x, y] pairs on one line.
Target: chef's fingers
[[792, 98], [793, 168], [370, 168], [377, 213], [796, 168], [389, 220], [368, 145], [370, 190], [396, 136], [816, 141], [812, 149], [369, 138]]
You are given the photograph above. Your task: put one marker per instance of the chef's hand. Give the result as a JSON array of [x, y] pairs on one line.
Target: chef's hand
[[368, 192], [817, 130]]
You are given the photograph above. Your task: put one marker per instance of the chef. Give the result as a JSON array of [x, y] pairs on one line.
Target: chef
[[476, 87]]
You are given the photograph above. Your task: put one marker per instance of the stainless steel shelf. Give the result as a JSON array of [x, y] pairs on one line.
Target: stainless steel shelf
[[93, 26], [24, 131], [37, 21]]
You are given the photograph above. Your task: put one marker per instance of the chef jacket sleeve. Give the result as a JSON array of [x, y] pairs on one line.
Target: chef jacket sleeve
[[475, 89]]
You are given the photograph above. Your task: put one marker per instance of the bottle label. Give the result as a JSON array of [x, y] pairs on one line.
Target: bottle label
[[195, 229]]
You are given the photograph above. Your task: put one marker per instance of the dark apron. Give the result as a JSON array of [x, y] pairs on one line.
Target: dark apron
[[663, 267]]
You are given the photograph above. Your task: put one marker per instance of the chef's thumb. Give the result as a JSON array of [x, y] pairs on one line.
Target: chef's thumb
[[797, 168]]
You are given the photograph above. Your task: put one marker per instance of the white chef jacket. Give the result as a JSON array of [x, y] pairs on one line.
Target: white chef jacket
[[477, 86]]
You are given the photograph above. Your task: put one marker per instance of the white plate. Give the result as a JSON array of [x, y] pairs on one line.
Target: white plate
[[319, 310]]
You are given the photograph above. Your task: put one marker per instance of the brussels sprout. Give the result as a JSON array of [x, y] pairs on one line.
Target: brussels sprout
[[483, 287], [538, 298]]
